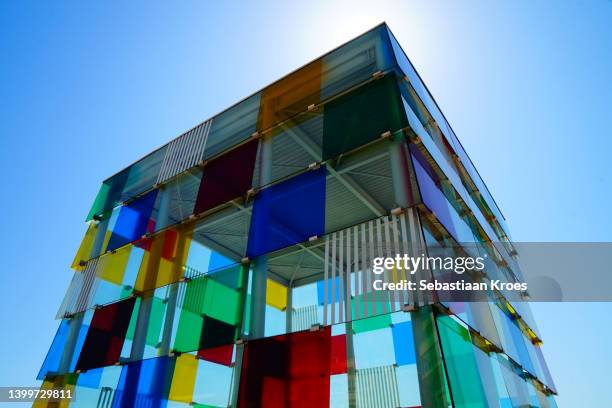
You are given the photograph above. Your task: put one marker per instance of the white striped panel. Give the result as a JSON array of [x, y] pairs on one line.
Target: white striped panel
[[400, 273], [409, 295], [326, 282], [418, 249], [90, 283], [379, 253], [349, 254], [370, 275], [184, 152], [71, 295], [80, 292], [358, 272], [377, 387], [364, 272], [388, 251], [341, 281], [303, 318], [333, 300], [347, 273]]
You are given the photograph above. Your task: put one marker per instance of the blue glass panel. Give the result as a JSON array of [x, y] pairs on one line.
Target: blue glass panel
[[288, 213], [145, 383], [403, 343], [54, 355], [437, 202], [81, 339], [519, 342], [321, 290], [447, 169], [433, 198], [57, 351], [132, 221], [218, 261], [90, 378]]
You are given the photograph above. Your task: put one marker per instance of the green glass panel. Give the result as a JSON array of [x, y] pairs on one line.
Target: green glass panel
[[362, 116], [461, 366], [217, 296], [128, 183], [190, 321], [156, 320], [125, 292], [247, 313], [189, 331], [133, 320], [221, 302], [372, 323], [99, 202]]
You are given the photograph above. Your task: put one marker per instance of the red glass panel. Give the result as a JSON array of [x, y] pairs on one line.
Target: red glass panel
[[106, 334], [338, 354], [220, 355], [291, 370], [227, 177]]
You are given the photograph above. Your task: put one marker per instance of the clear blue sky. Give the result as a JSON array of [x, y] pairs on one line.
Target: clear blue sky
[[86, 89]]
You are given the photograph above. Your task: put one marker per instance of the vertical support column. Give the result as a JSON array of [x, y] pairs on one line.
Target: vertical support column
[[289, 310], [398, 157], [260, 271], [351, 369], [164, 208], [142, 323], [146, 301], [237, 369], [430, 366], [257, 323], [162, 217]]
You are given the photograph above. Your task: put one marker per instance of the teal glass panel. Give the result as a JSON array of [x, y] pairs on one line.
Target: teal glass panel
[[356, 62], [462, 369], [361, 116], [128, 183], [515, 384]]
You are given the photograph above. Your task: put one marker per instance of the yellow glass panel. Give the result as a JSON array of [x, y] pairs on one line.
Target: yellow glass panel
[[276, 295], [183, 380], [107, 236], [84, 252], [65, 382], [290, 95], [113, 265], [166, 273], [164, 259]]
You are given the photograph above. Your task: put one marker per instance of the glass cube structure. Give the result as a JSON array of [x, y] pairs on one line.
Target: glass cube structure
[[233, 266]]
